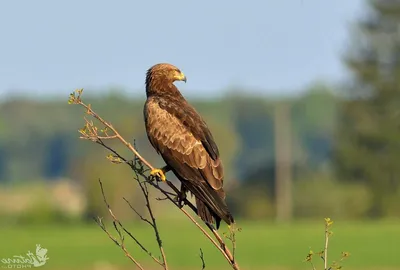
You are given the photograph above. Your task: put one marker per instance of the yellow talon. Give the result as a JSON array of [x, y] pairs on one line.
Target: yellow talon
[[158, 173]]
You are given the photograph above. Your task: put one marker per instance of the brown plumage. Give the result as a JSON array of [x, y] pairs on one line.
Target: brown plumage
[[182, 138]]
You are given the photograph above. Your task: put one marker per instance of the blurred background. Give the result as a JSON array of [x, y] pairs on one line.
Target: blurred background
[[303, 99]]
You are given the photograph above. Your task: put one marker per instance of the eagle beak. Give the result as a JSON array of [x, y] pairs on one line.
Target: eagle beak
[[181, 77]]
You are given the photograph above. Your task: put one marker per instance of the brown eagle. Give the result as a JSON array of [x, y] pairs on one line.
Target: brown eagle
[[182, 138]]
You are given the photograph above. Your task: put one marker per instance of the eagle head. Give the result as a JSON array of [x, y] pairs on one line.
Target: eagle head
[[165, 73]]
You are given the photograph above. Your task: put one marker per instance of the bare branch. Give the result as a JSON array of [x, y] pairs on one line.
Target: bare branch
[[145, 192], [328, 223], [90, 132], [203, 264], [137, 213], [232, 238], [120, 243], [109, 126]]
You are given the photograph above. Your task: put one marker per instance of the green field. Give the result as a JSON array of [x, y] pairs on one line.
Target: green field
[[260, 245]]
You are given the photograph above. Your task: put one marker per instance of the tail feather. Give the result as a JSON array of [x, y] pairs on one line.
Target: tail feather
[[210, 204], [209, 216], [204, 212]]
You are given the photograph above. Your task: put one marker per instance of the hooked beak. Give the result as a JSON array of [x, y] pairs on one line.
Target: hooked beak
[[181, 77]]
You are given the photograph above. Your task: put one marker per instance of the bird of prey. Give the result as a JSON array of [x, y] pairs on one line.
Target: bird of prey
[[180, 135]]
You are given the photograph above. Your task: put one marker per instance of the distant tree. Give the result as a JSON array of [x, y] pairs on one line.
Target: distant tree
[[368, 143], [315, 119], [3, 164], [56, 159], [254, 124]]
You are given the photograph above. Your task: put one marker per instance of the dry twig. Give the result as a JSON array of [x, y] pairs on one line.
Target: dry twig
[[118, 226], [328, 223], [90, 132], [203, 263], [152, 223]]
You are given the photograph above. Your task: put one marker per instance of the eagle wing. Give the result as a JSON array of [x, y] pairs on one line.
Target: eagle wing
[[182, 138]]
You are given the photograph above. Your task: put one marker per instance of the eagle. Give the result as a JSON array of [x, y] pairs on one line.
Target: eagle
[[181, 136]]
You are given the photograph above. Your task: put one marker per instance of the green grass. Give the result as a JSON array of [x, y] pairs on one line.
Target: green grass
[[260, 245]]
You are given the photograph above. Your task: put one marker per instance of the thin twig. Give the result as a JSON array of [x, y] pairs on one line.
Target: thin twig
[[153, 222], [203, 264], [326, 246], [162, 199], [115, 222], [313, 266], [232, 238], [117, 135], [221, 246], [159, 241], [137, 213], [122, 246], [93, 136]]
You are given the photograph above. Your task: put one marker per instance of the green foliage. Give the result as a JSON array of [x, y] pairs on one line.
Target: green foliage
[[368, 147], [316, 110]]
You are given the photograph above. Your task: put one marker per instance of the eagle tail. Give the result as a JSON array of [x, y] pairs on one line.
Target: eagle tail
[[209, 216], [210, 204], [205, 213]]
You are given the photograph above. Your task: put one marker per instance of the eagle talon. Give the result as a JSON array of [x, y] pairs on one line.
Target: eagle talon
[[180, 200], [159, 174]]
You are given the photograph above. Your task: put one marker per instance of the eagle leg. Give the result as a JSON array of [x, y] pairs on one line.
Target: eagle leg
[[181, 196], [160, 173]]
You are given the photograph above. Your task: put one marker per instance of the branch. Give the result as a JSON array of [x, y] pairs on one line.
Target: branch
[[90, 132], [153, 222], [326, 247], [324, 253], [203, 264], [117, 223]]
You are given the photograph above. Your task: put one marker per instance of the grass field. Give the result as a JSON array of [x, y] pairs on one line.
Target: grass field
[[373, 245]]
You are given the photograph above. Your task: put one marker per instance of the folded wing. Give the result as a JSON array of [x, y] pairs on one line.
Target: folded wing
[[187, 146]]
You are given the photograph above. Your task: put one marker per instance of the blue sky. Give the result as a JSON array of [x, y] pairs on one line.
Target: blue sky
[[49, 46]]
